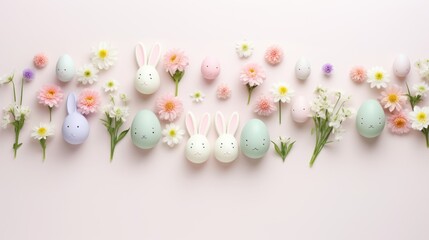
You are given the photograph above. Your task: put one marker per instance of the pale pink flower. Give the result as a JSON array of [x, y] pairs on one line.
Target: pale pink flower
[[88, 101], [358, 74], [265, 106], [252, 75], [223, 91], [393, 98], [169, 107], [50, 95], [398, 123], [40, 60], [274, 55], [175, 60]]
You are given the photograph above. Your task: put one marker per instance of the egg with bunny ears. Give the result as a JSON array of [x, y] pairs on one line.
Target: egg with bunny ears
[[370, 119], [302, 69], [210, 68], [300, 110], [145, 130], [226, 145], [198, 146], [75, 129], [65, 69], [255, 139], [401, 66], [147, 77]]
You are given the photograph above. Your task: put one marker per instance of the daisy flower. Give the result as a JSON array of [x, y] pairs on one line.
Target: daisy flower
[[419, 118], [393, 98], [5, 79], [223, 91], [252, 75], [398, 123], [244, 49], [88, 101], [50, 96], [421, 89], [423, 68], [173, 134], [378, 77], [175, 62], [169, 107], [327, 68], [111, 86], [274, 55], [87, 74], [197, 96], [281, 94], [358, 74], [104, 55], [40, 60], [41, 133], [264, 106]]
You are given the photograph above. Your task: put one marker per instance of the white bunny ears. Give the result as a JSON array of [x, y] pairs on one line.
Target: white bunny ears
[[142, 58], [220, 123], [191, 124]]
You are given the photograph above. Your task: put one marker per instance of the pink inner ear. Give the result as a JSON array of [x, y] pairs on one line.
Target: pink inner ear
[[233, 124], [154, 55], [220, 125], [140, 55], [190, 125], [204, 125]]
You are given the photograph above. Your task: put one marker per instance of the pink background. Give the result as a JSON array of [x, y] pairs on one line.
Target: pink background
[[358, 188]]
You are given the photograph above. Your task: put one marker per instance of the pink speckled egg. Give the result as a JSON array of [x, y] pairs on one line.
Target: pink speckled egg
[[300, 110], [210, 68]]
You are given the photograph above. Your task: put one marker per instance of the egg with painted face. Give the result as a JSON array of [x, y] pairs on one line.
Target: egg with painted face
[[401, 66], [65, 69], [255, 139], [145, 129], [300, 110], [210, 68], [302, 69], [370, 119]]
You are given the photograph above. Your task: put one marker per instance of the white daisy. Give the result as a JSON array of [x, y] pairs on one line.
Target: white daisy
[[281, 92], [172, 134], [197, 96], [419, 118], [42, 131], [104, 55], [87, 74], [111, 86], [244, 49], [119, 113], [5, 79], [378, 77], [423, 68], [124, 97], [421, 89]]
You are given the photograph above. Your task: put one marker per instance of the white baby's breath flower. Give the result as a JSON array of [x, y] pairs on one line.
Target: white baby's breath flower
[[111, 86], [43, 131], [419, 118], [124, 97], [197, 96], [5, 120], [104, 55], [173, 134], [87, 74], [420, 89], [244, 48], [281, 92], [378, 77]]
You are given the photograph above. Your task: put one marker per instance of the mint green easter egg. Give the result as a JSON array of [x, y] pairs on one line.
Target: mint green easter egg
[[370, 119], [145, 129], [255, 139]]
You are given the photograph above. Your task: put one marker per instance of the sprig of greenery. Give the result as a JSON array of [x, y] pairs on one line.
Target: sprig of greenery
[[284, 147]]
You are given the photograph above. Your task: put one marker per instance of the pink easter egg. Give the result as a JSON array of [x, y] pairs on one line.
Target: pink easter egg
[[300, 110], [210, 68]]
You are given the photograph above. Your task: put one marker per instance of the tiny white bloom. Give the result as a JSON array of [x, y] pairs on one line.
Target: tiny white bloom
[[104, 55], [7, 78], [197, 96], [111, 86], [423, 68], [173, 134], [421, 89], [281, 92], [119, 113], [244, 48], [378, 77], [87, 74], [5, 120], [124, 97], [42, 131], [107, 108], [419, 118]]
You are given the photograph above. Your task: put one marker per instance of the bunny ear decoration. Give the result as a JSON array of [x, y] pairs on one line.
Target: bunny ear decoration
[[220, 123], [71, 103], [204, 124], [233, 123], [191, 124], [140, 54], [155, 54]]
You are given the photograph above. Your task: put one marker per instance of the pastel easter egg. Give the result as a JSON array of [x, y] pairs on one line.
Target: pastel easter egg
[[302, 69], [370, 119], [401, 66], [210, 68], [145, 129], [300, 110], [255, 139], [65, 69]]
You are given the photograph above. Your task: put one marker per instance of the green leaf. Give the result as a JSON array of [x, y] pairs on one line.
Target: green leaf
[[276, 147], [122, 135]]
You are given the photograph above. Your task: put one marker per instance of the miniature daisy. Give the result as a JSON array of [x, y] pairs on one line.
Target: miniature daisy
[[281, 94], [40, 60], [169, 107], [175, 63], [197, 96], [393, 98], [223, 91], [50, 96], [88, 101], [419, 118], [264, 106], [378, 77], [244, 49], [274, 55], [111, 86], [104, 55], [41, 133], [87, 74], [421, 89], [398, 123], [252, 75], [173, 134]]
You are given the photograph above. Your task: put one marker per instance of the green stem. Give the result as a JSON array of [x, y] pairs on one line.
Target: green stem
[[22, 90], [14, 91], [176, 92], [50, 114], [16, 144], [426, 133], [280, 112], [250, 90]]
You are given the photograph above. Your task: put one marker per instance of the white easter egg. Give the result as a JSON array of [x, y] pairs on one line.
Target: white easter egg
[[65, 69], [401, 66], [302, 69]]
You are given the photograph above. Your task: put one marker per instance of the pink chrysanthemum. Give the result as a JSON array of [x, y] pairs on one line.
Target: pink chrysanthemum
[[223, 91], [88, 101], [393, 98], [274, 55], [358, 74], [265, 106], [175, 60], [50, 95], [252, 75], [40, 60], [399, 123], [169, 107]]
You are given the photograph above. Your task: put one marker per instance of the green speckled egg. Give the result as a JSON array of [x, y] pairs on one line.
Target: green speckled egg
[[145, 129], [370, 119], [255, 139]]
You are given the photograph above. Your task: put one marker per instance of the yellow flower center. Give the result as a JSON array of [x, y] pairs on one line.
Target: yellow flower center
[[169, 106], [379, 76], [252, 72], [197, 95], [393, 98], [89, 99], [110, 84], [172, 133], [283, 90], [42, 131], [421, 117], [102, 53], [400, 122], [87, 73], [51, 93], [173, 58], [244, 47]]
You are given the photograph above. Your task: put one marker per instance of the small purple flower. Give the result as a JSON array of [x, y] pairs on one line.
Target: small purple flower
[[327, 68], [28, 74]]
